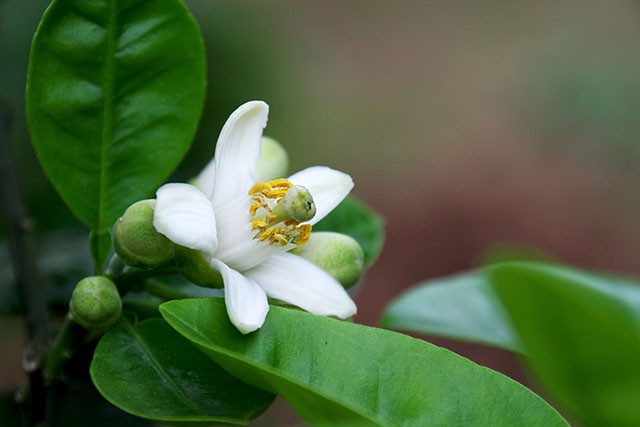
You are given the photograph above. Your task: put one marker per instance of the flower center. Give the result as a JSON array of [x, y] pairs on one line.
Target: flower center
[[277, 210]]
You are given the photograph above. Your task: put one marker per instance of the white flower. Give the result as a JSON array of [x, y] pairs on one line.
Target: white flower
[[245, 227]]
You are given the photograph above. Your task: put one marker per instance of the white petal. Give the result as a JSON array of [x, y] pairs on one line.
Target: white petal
[[294, 280], [327, 186], [237, 152], [206, 178], [185, 215], [246, 302], [236, 244]]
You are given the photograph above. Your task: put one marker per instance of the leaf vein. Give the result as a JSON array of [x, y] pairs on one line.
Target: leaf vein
[[158, 368], [207, 344]]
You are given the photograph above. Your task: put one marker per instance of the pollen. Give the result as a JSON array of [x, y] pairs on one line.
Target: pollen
[[275, 189], [276, 215]]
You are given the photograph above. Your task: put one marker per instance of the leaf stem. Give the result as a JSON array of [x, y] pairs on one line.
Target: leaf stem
[[19, 227]]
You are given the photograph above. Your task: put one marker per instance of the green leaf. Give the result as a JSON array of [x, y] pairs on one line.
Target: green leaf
[[359, 221], [461, 307], [151, 371], [582, 335], [339, 373], [114, 93]]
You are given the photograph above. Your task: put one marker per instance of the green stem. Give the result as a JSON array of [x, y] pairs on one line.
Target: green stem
[[114, 268], [164, 292], [129, 276]]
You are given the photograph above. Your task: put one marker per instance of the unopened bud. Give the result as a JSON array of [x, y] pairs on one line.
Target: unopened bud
[[95, 303], [194, 267], [337, 254], [135, 239], [273, 161]]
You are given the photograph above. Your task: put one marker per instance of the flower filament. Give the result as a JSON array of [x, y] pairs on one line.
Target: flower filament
[[278, 210]]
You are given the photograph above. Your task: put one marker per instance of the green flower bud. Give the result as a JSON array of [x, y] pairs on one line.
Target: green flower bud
[[193, 266], [273, 161], [337, 254], [135, 239], [95, 303]]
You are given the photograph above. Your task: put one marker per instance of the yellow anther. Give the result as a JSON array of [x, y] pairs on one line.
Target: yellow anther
[[266, 234], [275, 189], [258, 224], [305, 233], [254, 208], [258, 187], [280, 239], [280, 183]]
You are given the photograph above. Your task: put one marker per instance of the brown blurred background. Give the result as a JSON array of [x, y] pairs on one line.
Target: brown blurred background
[[466, 124]]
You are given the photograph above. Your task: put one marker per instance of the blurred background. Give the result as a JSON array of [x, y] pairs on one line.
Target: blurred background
[[467, 125]]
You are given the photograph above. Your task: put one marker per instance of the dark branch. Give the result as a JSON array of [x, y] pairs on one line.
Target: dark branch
[[19, 227]]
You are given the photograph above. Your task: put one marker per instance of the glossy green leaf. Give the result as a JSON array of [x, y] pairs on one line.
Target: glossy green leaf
[[338, 373], [151, 371], [114, 93], [582, 335], [359, 221], [461, 307]]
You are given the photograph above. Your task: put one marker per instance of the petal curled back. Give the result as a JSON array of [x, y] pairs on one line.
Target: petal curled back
[[237, 152], [185, 216], [246, 302], [327, 186], [296, 281]]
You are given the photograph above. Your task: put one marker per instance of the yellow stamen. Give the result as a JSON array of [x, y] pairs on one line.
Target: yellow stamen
[[259, 224], [266, 196], [305, 233], [275, 189]]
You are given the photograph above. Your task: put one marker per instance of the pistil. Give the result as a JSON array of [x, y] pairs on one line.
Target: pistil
[[278, 211]]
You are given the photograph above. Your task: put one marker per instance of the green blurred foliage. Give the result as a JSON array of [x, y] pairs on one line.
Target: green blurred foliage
[[587, 102], [580, 332]]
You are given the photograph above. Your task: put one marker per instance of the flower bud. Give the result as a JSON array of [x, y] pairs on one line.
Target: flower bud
[[273, 161], [135, 239], [95, 303], [193, 266], [337, 254]]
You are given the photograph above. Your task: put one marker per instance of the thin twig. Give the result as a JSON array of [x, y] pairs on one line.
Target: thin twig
[[19, 227]]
